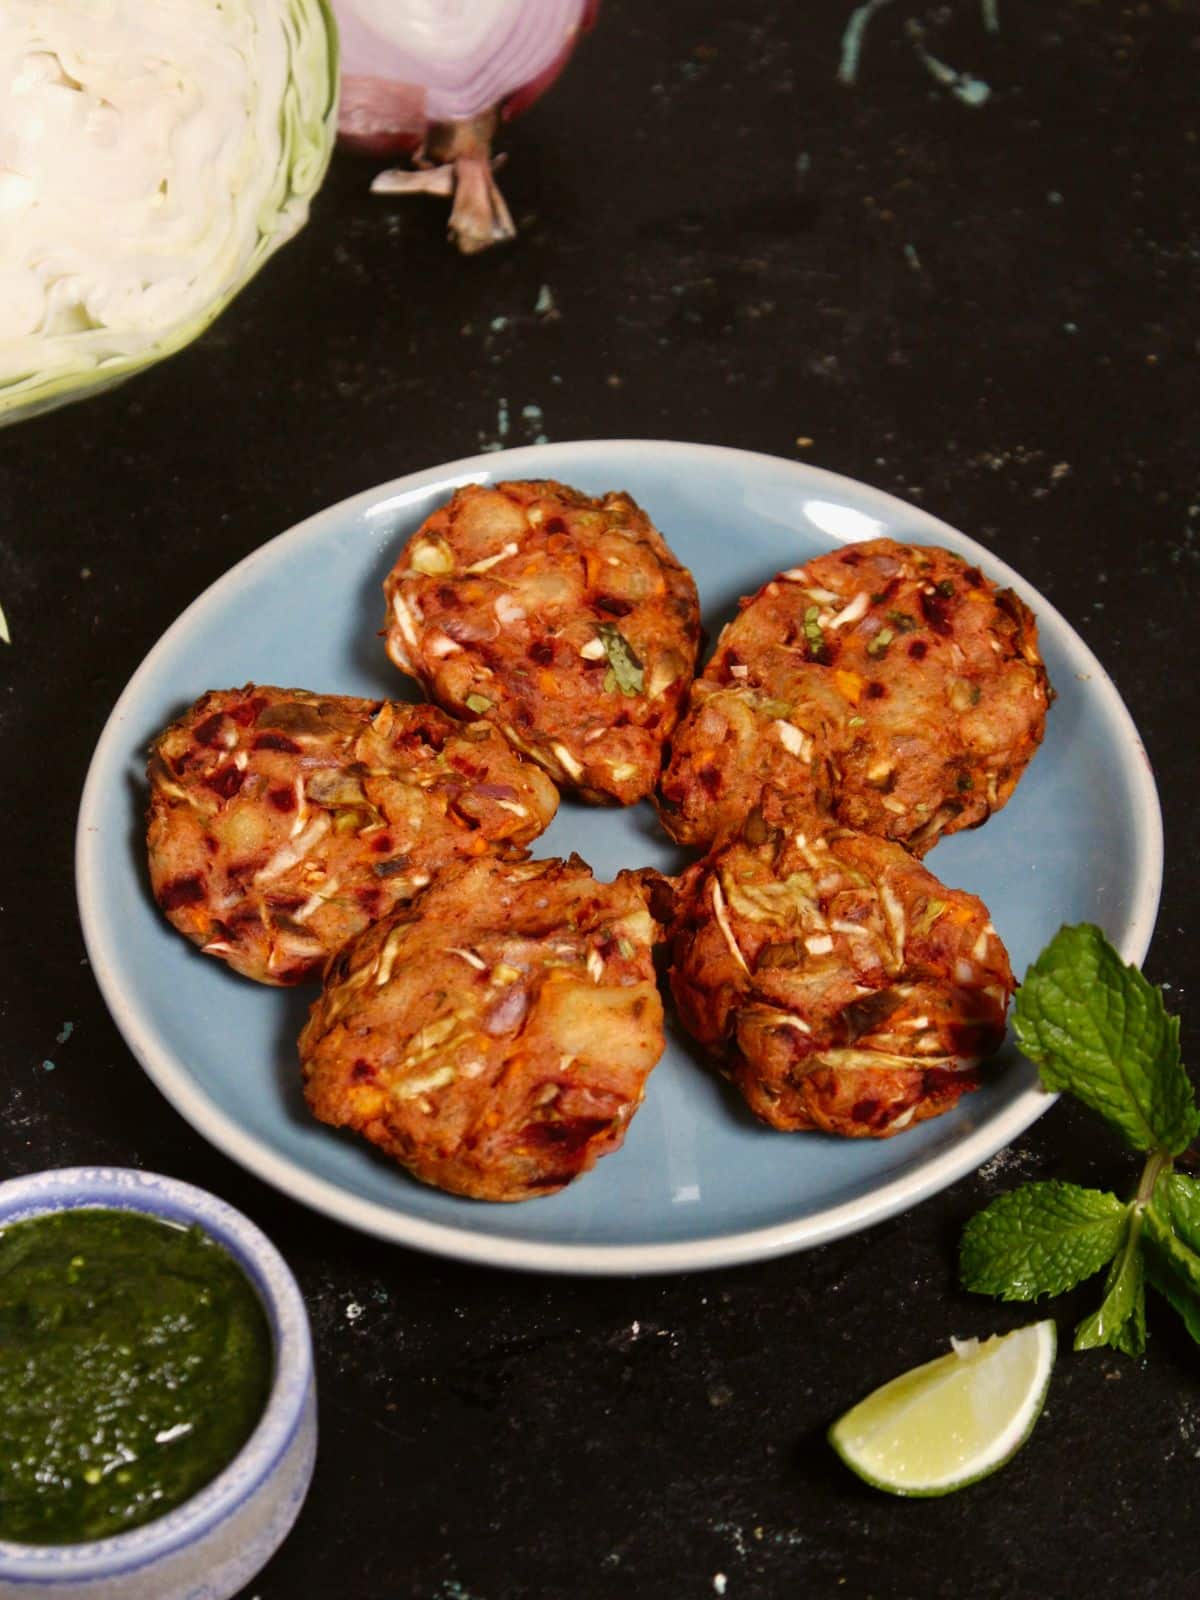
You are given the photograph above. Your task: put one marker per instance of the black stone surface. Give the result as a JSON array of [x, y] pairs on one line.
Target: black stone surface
[[990, 310]]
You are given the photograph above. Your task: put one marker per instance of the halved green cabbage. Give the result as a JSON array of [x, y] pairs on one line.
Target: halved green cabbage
[[153, 154]]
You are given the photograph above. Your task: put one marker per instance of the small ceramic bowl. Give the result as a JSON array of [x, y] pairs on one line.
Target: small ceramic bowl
[[213, 1544]]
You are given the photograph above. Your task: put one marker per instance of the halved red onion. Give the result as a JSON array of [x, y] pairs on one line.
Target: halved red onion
[[436, 77]]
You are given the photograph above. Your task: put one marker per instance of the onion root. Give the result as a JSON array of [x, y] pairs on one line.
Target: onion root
[[456, 160]]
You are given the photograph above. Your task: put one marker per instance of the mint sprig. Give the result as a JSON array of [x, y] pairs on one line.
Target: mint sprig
[[1177, 1202], [1099, 1031], [1042, 1239], [1120, 1320], [1173, 1268]]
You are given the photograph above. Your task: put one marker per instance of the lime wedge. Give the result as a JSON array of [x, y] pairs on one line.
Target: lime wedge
[[952, 1421]]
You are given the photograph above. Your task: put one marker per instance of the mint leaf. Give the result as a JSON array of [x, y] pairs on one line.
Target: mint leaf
[[1042, 1239], [1177, 1202], [622, 659], [1099, 1030], [1121, 1319], [1172, 1266]]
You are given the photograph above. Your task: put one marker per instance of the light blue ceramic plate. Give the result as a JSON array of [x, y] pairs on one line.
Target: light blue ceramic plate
[[698, 1182]]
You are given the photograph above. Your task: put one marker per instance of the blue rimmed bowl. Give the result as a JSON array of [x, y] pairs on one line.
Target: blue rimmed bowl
[[214, 1543]]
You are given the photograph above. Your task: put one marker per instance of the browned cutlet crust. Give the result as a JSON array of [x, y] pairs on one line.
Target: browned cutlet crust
[[891, 684], [836, 981], [739, 739], [282, 823], [564, 620], [494, 1037]]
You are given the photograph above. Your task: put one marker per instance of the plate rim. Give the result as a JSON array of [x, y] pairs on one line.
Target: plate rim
[[172, 1078]]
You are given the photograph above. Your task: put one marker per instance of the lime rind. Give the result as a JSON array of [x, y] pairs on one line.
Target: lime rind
[[951, 1421]]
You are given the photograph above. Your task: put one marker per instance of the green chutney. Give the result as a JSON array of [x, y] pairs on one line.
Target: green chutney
[[135, 1361]]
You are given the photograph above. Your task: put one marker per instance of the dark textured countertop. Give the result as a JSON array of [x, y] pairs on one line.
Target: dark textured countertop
[[988, 309]]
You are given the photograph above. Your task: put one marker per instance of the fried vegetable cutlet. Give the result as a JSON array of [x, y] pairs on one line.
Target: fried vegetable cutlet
[[494, 1037], [564, 620], [905, 687], [740, 739], [281, 823], [836, 981]]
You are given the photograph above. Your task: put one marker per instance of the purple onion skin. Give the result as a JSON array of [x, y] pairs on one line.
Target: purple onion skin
[[379, 117]]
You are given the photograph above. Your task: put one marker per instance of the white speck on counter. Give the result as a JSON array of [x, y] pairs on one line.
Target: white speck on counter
[[501, 436], [732, 1531], [852, 40], [534, 419], [720, 1582], [1009, 1163], [353, 1311], [544, 304], [971, 91]]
